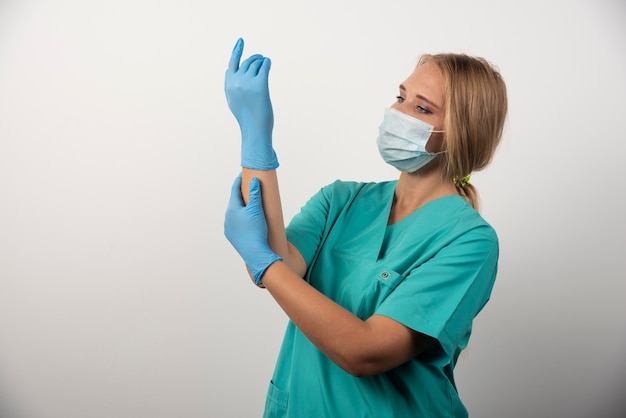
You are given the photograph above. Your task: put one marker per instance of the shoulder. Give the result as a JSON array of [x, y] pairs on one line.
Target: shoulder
[[343, 188], [453, 216], [473, 231], [474, 222]]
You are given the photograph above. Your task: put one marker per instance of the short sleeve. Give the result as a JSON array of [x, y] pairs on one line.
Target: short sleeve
[[307, 227], [441, 297]]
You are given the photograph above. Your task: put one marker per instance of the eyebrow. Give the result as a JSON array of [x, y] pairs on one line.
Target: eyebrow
[[424, 98]]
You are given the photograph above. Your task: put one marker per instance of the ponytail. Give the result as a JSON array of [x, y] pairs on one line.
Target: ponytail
[[470, 194]]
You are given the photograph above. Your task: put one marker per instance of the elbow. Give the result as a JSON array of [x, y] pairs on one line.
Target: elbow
[[359, 361], [360, 372], [368, 365], [361, 368]]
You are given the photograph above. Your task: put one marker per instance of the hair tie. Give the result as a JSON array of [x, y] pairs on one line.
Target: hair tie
[[461, 182]]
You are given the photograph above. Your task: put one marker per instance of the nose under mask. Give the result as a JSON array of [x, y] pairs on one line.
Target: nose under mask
[[402, 141]]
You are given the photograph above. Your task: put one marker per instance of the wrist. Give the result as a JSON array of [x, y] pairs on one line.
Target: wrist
[[258, 276], [258, 156]]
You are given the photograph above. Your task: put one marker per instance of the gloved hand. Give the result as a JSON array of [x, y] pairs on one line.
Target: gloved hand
[[248, 97], [246, 229]]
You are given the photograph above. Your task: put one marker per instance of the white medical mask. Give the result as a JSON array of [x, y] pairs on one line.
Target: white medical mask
[[402, 141]]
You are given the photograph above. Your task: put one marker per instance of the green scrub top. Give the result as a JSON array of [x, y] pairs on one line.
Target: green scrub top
[[433, 271]]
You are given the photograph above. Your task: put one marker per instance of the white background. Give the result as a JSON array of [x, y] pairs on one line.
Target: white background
[[119, 295]]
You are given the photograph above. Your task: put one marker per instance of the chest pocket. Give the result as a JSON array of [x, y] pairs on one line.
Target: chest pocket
[[360, 285]]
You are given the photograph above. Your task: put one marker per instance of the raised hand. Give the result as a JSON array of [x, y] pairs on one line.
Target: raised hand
[[247, 93]]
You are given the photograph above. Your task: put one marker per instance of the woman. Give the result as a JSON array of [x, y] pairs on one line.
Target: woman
[[381, 281]]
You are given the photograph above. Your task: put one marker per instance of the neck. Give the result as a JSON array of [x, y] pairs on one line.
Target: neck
[[414, 190]]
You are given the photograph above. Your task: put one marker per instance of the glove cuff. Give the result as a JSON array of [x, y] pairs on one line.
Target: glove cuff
[[258, 275], [263, 160]]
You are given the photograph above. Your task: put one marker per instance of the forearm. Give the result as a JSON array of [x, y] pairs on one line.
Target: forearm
[[272, 208], [334, 330], [359, 347]]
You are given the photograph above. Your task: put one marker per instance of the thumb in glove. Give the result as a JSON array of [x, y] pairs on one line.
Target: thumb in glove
[[245, 228]]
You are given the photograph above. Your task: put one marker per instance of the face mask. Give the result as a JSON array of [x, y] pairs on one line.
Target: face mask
[[402, 141]]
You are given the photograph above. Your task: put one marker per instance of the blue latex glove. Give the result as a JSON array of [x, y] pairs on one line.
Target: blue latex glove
[[248, 97], [246, 229]]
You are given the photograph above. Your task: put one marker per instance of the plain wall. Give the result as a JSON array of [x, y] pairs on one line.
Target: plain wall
[[120, 296]]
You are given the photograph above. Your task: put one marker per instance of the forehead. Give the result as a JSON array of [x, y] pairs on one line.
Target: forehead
[[427, 80]]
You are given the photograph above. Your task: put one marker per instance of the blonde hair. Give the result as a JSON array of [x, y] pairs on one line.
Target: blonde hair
[[475, 111]]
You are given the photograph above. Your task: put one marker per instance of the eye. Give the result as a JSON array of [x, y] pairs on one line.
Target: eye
[[399, 99], [423, 110]]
